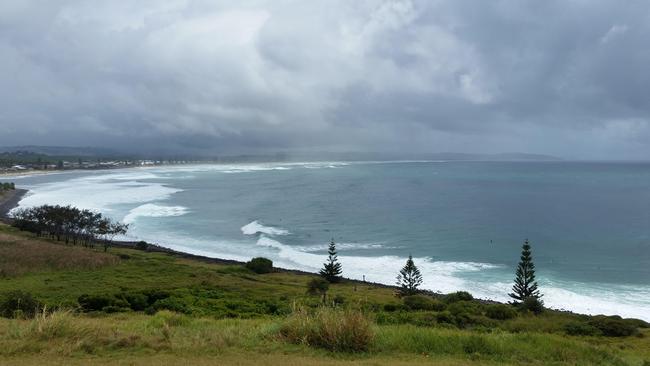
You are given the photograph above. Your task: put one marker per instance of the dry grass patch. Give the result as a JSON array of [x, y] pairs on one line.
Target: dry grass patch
[[20, 255], [331, 329]]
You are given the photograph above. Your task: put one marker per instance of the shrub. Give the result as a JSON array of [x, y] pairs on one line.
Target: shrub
[[16, 304], [390, 307], [154, 295], [422, 302], [334, 330], [141, 245], [476, 344], [445, 317], [458, 296], [637, 322], [260, 265], [114, 309], [532, 304], [500, 312], [99, 302], [613, 326], [137, 301], [174, 304], [339, 300], [465, 307], [581, 329], [317, 286]]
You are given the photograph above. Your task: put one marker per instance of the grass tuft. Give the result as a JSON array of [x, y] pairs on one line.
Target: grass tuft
[[331, 329]]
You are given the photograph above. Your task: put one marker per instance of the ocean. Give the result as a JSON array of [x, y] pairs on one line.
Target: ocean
[[463, 222]]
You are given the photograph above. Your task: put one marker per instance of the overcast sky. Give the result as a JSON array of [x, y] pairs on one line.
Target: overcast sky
[[569, 78]]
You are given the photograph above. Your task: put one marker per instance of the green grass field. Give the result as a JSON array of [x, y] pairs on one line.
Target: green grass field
[[191, 312]]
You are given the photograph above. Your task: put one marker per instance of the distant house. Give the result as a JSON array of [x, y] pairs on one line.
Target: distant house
[[19, 167]]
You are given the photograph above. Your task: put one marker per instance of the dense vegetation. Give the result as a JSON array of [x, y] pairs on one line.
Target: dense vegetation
[[7, 186], [69, 224], [141, 307]]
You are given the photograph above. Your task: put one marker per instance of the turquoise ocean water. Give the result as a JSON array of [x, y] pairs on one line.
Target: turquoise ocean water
[[463, 222]]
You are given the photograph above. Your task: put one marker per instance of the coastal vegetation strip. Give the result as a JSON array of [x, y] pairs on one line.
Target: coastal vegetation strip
[[143, 306]]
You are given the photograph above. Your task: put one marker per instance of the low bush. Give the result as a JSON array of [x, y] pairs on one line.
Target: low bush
[[152, 299], [500, 312], [101, 302], [422, 302], [637, 322], [613, 326], [260, 265], [445, 317], [317, 286], [19, 304], [175, 304], [142, 245], [390, 307], [533, 305], [475, 344], [137, 301], [339, 300], [334, 330], [458, 296], [465, 307], [581, 329]]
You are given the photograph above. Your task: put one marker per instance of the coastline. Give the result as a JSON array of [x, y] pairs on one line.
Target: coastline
[[206, 257], [27, 173], [9, 200], [152, 247]]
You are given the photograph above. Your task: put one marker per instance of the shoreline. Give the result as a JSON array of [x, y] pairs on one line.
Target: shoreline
[[9, 200]]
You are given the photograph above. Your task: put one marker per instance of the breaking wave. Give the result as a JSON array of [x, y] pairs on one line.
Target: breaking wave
[[153, 210], [255, 227]]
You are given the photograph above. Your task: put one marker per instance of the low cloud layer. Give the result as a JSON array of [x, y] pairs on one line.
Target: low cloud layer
[[568, 78]]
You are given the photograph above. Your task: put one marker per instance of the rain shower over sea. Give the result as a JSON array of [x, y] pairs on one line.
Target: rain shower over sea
[[463, 222]]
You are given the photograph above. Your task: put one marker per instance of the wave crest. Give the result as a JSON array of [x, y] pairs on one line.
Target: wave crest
[[255, 227], [153, 210]]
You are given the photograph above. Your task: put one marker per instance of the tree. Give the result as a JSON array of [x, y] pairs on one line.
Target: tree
[[525, 285], [332, 268], [409, 278], [69, 223]]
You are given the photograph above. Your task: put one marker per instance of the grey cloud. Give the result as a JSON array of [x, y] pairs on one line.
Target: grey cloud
[[557, 77]]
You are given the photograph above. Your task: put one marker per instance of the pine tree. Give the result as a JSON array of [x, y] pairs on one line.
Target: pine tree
[[332, 268], [409, 278], [525, 285]]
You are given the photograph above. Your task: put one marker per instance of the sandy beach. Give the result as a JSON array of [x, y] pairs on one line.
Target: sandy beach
[[24, 173]]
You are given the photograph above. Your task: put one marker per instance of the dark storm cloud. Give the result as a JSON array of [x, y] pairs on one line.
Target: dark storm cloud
[[558, 77]]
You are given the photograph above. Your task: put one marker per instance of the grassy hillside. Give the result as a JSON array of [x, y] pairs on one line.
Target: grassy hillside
[[138, 307]]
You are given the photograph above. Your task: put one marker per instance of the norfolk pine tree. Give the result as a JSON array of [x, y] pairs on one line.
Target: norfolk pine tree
[[332, 268], [409, 278], [525, 285]]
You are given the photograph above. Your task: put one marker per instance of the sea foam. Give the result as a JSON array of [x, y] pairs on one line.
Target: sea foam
[[255, 227], [98, 192], [154, 210]]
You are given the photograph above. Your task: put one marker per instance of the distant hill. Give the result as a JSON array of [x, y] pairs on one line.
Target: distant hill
[[61, 150], [92, 152]]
